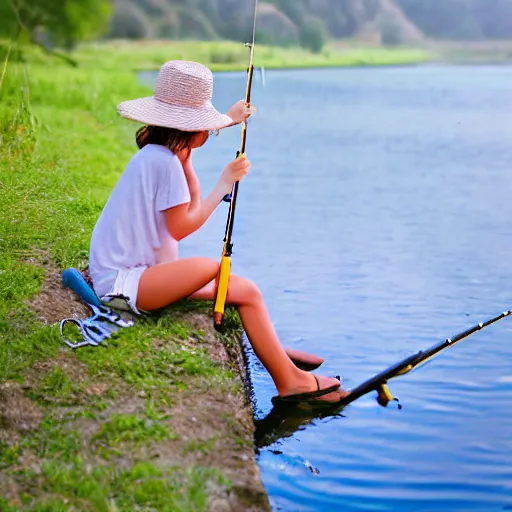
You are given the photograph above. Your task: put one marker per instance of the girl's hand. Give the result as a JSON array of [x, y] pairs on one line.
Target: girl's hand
[[185, 156], [240, 111], [235, 171]]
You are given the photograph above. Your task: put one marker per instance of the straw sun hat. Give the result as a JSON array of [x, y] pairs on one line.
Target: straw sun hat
[[182, 100]]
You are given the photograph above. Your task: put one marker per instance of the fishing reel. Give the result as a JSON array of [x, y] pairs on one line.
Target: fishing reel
[[384, 396]]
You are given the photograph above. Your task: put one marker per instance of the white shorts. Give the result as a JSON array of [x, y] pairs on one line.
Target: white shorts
[[127, 284]]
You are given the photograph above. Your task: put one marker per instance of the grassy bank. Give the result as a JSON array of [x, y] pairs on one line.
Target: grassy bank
[[230, 56], [472, 52], [128, 427], [124, 428], [225, 56]]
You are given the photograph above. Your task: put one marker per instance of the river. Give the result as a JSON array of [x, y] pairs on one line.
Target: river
[[377, 220]]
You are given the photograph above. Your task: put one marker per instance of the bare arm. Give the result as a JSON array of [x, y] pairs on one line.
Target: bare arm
[[194, 186], [184, 219]]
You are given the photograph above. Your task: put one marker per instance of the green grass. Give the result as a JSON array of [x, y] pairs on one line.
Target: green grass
[[66, 476], [140, 360], [78, 487], [129, 427], [231, 56], [57, 388], [222, 56], [62, 150]]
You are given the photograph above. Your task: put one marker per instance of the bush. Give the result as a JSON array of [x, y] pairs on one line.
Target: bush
[[55, 23], [274, 38], [313, 35]]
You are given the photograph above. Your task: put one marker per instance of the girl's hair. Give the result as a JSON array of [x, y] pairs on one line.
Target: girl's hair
[[172, 138]]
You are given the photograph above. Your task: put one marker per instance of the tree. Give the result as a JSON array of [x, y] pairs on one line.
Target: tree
[[312, 34], [129, 22], [53, 23]]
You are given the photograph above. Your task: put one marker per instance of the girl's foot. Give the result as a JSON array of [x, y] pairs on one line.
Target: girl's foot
[[304, 360], [314, 389]]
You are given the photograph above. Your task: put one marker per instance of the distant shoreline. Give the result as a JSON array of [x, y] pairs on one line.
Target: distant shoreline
[[231, 56], [225, 56]]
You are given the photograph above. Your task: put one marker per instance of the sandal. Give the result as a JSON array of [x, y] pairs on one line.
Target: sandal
[[310, 397], [302, 363]]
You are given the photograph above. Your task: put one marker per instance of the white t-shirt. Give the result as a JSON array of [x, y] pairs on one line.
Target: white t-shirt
[[131, 231]]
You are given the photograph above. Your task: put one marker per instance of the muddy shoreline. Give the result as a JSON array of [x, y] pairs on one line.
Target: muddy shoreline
[[77, 407]]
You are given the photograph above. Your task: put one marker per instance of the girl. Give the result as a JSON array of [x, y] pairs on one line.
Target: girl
[[157, 202]]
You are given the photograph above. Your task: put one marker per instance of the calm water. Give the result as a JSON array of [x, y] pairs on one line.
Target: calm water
[[377, 220]]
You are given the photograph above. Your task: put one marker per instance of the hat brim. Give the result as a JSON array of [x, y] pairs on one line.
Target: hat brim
[[153, 112]]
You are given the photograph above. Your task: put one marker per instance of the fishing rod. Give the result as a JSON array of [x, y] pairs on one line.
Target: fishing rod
[[379, 382], [222, 281], [287, 418]]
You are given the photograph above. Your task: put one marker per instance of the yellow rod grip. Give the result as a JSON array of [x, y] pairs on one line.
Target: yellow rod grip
[[222, 287]]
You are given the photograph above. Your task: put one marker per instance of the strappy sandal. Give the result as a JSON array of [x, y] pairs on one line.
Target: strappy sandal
[[310, 397]]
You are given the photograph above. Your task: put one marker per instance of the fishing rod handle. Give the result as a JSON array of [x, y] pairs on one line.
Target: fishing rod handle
[[221, 294]]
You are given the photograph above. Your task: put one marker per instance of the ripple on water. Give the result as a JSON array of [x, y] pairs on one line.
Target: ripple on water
[[376, 226]]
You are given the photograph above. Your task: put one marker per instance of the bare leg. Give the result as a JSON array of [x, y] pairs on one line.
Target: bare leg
[[194, 277], [260, 331], [164, 284]]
